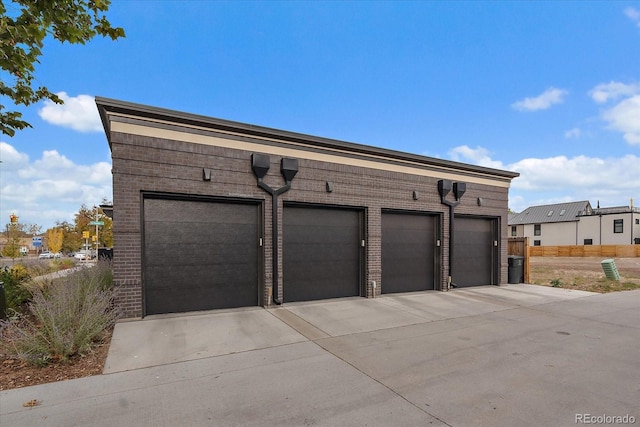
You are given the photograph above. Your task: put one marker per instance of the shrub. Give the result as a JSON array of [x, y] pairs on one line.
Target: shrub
[[63, 264], [556, 283], [14, 279], [69, 314], [101, 275]]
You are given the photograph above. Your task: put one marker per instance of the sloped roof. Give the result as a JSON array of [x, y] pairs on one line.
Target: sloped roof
[[560, 212]]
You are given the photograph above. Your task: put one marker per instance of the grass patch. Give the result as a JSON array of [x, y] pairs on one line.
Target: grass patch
[[606, 285], [602, 285]]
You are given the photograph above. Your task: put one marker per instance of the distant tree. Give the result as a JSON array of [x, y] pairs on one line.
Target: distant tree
[[106, 235], [83, 218], [71, 239], [55, 238], [33, 229], [82, 223], [24, 26], [13, 234]]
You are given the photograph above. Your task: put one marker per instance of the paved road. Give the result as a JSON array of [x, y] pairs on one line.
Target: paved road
[[517, 355]]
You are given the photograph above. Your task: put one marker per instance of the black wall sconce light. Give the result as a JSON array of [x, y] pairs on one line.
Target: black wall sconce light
[[329, 187], [415, 195], [260, 164]]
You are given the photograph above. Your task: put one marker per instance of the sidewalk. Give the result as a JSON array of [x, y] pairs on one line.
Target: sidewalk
[[490, 356]]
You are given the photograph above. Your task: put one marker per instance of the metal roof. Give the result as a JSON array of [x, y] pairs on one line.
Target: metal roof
[[560, 212]]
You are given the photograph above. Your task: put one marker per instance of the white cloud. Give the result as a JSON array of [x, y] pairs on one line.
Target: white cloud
[[78, 113], [11, 159], [625, 118], [572, 133], [541, 102], [633, 14], [51, 188], [478, 156], [613, 90], [561, 179]]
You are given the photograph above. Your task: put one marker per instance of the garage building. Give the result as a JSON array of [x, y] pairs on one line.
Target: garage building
[[210, 213]]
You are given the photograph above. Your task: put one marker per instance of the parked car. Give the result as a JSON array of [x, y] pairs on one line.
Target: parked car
[[45, 255], [82, 255]]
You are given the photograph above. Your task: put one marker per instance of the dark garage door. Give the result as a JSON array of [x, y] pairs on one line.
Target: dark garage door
[[199, 255], [473, 252], [408, 243], [321, 253]]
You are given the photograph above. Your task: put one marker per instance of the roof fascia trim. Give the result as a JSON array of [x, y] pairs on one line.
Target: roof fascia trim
[[106, 105]]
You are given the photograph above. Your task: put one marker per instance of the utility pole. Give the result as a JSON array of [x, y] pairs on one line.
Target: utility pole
[[96, 231], [97, 223]]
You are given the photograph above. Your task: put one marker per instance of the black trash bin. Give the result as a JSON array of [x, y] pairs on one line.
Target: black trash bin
[[516, 269], [105, 254]]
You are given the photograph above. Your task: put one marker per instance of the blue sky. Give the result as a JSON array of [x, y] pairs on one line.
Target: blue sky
[[547, 89]]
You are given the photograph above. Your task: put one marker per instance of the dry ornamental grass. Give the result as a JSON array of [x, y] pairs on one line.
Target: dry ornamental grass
[[62, 332]]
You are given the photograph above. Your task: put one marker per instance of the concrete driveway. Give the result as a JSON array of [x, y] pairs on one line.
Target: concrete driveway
[[488, 356]]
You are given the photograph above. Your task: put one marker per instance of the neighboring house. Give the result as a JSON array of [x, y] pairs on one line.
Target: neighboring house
[[577, 223], [25, 244], [619, 225]]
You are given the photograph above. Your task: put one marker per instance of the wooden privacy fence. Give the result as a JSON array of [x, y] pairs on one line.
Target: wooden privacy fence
[[518, 245], [606, 251]]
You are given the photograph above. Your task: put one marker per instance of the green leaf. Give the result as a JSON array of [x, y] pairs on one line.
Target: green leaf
[[22, 35]]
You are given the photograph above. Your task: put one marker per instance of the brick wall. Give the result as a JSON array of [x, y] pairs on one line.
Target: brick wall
[[148, 164]]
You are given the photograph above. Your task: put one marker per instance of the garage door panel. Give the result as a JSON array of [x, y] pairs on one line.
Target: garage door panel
[[473, 252], [321, 253], [199, 255], [408, 249]]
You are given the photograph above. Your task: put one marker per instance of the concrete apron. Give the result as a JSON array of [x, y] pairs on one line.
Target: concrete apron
[[164, 339], [488, 356]]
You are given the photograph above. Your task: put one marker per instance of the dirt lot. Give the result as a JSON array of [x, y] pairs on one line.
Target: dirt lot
[[584, 273]]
